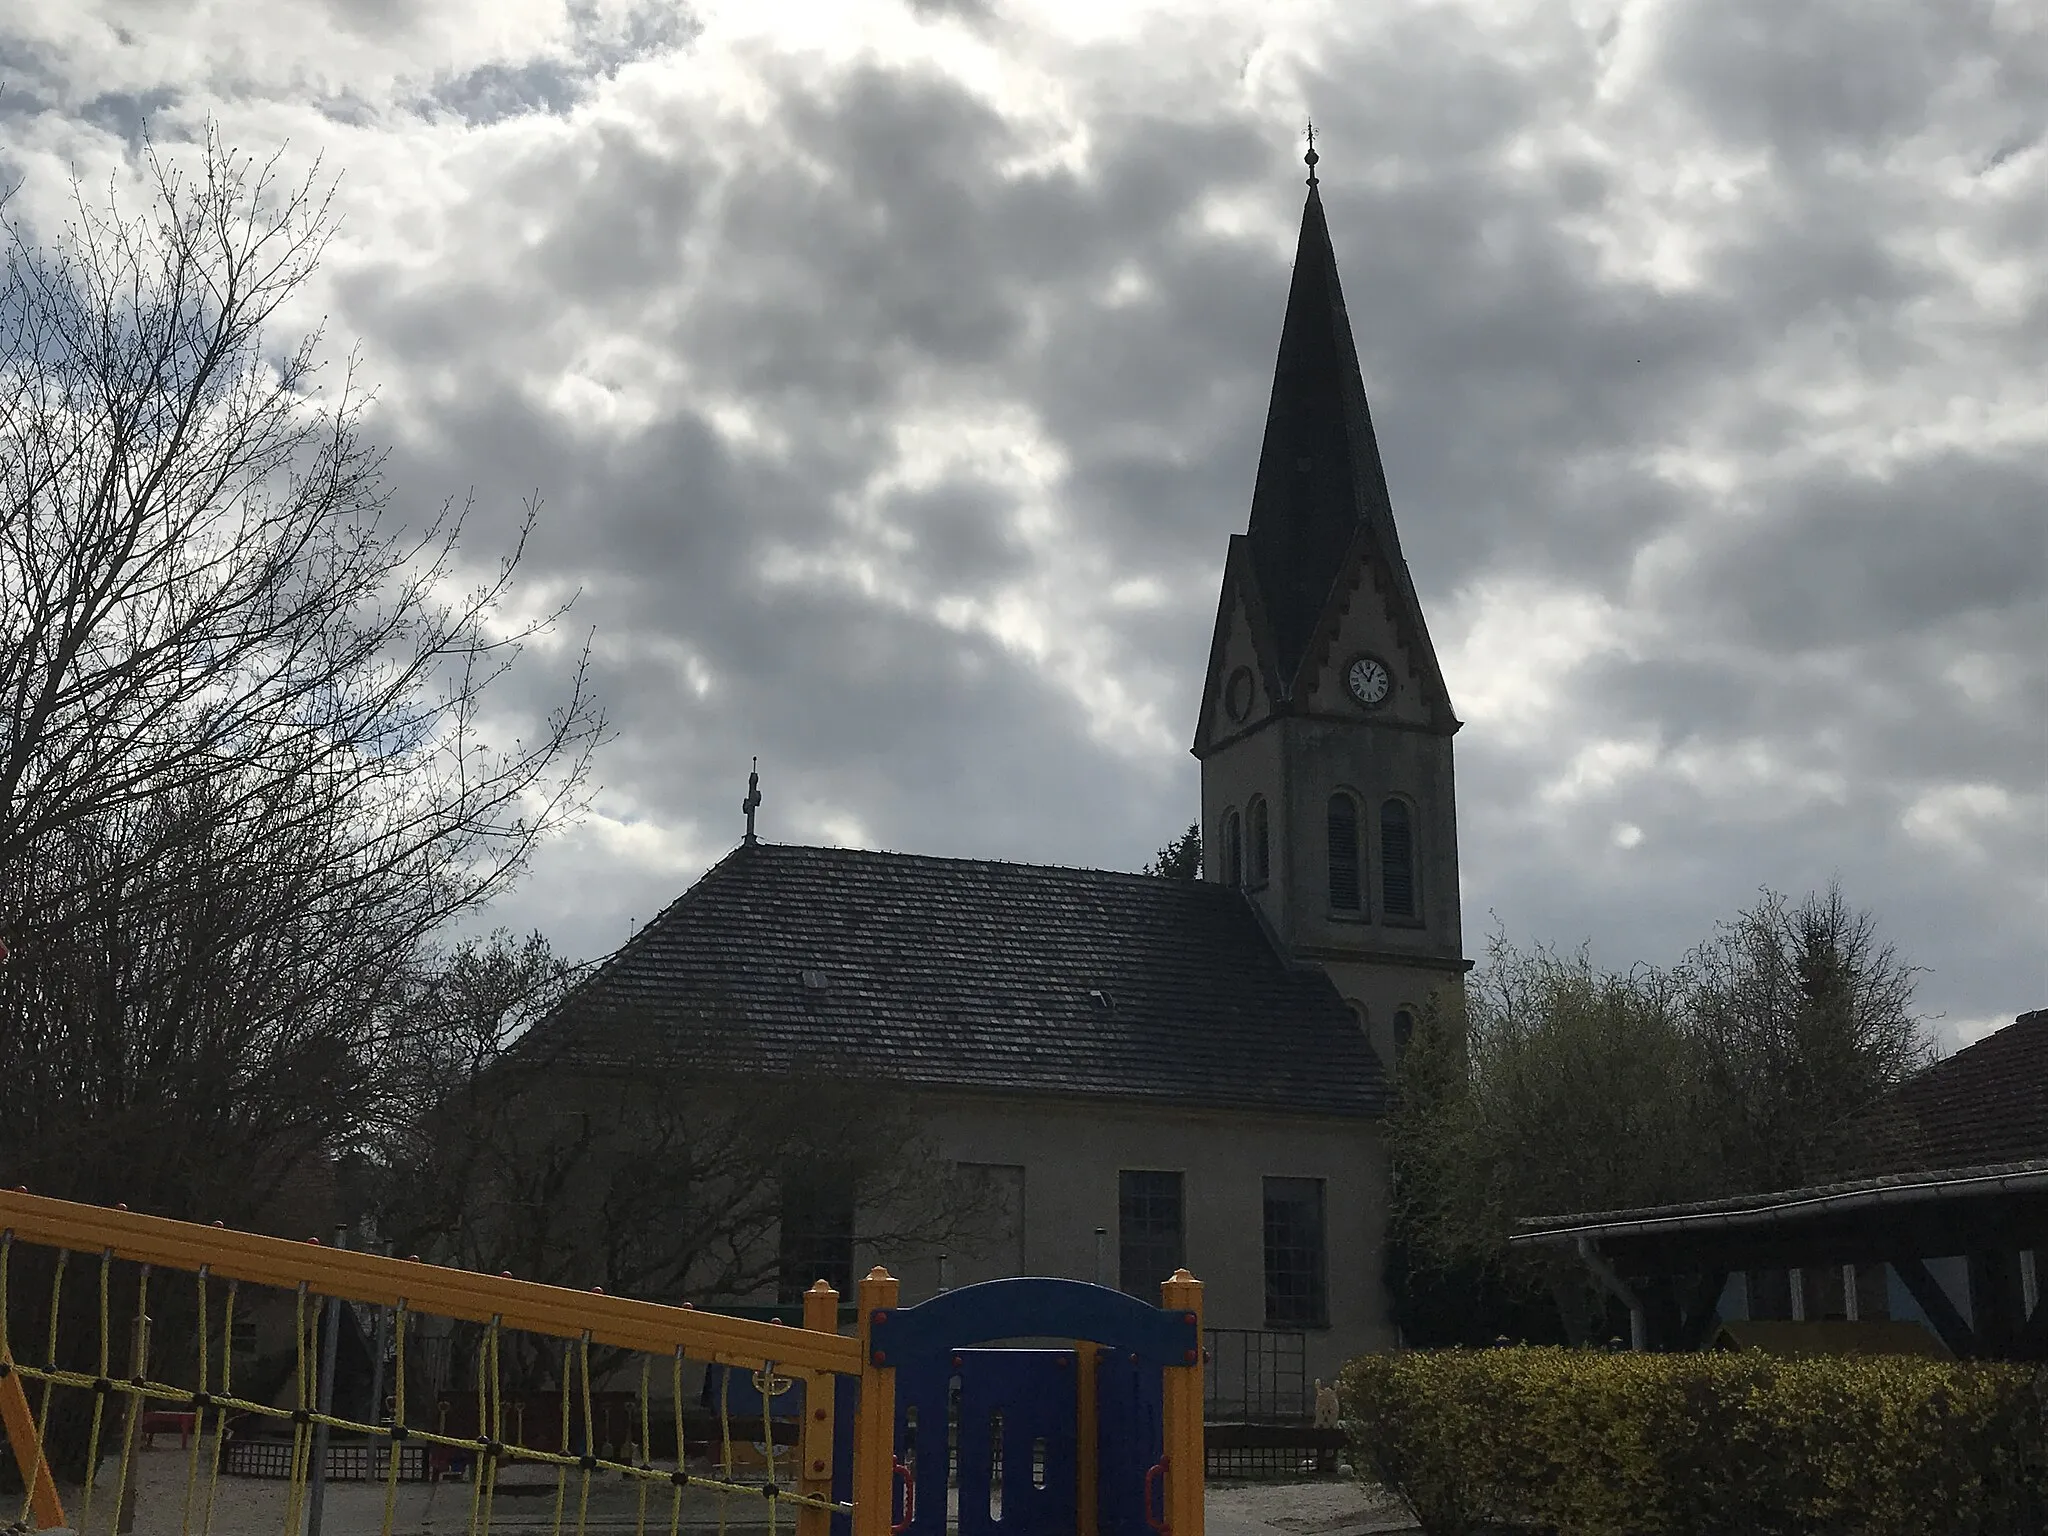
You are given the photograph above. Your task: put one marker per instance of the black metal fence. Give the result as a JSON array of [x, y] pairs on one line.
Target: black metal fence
[[345, 1463], [1257, 1376]]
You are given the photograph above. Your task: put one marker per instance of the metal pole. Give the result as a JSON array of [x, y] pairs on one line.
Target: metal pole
[[316, 1482]]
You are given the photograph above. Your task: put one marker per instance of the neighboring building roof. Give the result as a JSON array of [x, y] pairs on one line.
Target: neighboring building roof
[[1777, 1205], [1986, 1104], [976, 975], [1973, 1124], [1320, 478]]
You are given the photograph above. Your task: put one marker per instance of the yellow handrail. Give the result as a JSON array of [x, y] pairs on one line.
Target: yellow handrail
[[367, 1277]]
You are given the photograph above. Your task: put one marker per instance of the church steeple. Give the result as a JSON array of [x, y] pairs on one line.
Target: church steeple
[[1320, 480], [1325, 734]]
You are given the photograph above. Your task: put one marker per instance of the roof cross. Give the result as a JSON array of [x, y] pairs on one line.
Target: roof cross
[[1311, 157], [753, 799]]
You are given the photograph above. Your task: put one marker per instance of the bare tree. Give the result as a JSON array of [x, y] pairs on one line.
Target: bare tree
[[665, 1170], [1801, 1018], [202, 585], [241, 776]]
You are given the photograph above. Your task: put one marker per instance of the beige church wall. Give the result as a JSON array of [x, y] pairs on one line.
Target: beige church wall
[[1366, 628], [1071, 1155], [1248, 767]]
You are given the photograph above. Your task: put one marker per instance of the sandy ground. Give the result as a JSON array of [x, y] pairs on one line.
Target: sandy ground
[[1326, 1507]]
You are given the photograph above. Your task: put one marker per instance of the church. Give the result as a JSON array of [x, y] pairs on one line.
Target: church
[[1154, 1071]]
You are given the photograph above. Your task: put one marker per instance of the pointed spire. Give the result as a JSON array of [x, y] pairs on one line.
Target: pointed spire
[[1319, 468]]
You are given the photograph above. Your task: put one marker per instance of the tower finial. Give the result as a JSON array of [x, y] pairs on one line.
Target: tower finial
[[753, 799], [1311, 157]]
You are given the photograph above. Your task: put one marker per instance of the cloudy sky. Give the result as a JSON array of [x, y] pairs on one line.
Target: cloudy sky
[[893, 373]]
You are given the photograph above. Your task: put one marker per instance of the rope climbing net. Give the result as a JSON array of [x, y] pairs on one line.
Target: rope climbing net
[[116, 1327]]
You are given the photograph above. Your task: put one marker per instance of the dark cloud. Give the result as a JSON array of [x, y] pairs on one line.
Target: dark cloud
[[892, 447]]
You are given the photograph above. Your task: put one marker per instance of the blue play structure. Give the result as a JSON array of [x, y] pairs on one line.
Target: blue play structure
[[1061, 1434]]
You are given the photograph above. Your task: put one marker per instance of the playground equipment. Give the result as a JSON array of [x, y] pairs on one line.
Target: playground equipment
[[1099, 1436]]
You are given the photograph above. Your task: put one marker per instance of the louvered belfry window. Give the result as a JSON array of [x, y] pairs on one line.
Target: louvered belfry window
[[1259, 836], [1233, 850], [1397, 860], [1344, 883]]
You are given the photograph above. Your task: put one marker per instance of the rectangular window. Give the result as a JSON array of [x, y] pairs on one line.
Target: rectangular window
[[1297, 1293], [1151, 1242], [817, 1234]]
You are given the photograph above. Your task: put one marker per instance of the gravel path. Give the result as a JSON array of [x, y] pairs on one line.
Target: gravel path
[[1325, 1507]]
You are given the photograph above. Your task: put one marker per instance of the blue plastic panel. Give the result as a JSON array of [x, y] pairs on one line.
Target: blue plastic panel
[[1034, 1308]]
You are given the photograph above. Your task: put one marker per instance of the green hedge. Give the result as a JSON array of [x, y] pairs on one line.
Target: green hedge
[[1588, 1444]]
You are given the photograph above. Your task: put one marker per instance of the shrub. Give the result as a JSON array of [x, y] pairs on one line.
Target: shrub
[[1588, 1444]]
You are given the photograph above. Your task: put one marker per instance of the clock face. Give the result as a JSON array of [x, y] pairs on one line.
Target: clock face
[[1369, 681]]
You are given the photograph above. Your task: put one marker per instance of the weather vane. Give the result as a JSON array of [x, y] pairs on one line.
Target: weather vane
[[1311, 157], [753, 798]]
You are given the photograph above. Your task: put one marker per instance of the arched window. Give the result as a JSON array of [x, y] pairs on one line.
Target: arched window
[[1233, 850], [1345, 894], [1397, 860], [1256, 832], [1404, 1030]]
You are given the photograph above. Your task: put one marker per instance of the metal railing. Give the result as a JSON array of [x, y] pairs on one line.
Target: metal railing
[[1257, 1376]]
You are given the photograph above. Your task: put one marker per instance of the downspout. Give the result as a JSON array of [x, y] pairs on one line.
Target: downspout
[[1614, 1285]]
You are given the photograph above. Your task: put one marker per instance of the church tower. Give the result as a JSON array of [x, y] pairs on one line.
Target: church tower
[[1325, 731]]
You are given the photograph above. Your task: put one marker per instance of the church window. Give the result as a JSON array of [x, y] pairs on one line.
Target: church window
[[1258, 836], [1297, 1288], [1404, 1031], [1397, 860], [1345, 893], [1151, 1236], [817, 1232], [1233, 849]]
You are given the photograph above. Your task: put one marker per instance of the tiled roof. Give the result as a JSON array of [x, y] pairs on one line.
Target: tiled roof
[[1986, 1104], [970, 974]]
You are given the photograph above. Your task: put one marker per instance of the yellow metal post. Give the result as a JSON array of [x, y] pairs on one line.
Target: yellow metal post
[[28, 1454], [1185, 1456], [1087, 1439], [815, 1439], [874, 1436]]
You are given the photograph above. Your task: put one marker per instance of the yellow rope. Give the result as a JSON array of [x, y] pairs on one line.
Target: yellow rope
[[488, 1427], [131, 1420], [301, 1428], [725, 1437], [675, 1515], [589, 1438], [767, 1380], [28, 1490], [644, 1452], [99, 1400], [488, 1446], [562, 1474], [227, 1384], [197, 1436], [50, 1357], [392, 1442]]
